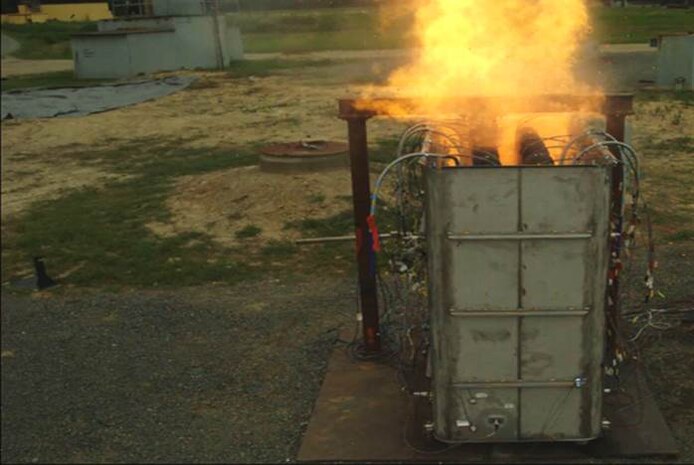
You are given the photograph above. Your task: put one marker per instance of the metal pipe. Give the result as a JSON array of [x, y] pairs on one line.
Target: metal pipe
[[519, 236], [347, 238], [321, 240], [515, 313], [514, 384]]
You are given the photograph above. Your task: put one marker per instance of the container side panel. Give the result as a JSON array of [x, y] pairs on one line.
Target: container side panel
[[557, 200], [550, 414], [551, 348], [483, 349], [473, 356], [484, 275], [437, 211], [553, 274], [484, 201]]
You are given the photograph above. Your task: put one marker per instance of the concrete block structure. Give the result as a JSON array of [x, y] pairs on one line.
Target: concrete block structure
[[157, 35], [676, 61]]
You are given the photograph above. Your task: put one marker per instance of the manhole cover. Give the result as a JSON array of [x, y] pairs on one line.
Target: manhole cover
[[303, 156]]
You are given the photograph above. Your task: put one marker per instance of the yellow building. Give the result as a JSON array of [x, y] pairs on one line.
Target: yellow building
[[58, 11]]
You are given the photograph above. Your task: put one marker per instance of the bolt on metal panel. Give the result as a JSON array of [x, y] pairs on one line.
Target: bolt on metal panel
[[518, 269]]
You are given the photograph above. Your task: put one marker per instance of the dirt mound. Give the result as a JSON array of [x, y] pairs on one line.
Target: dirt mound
[[223, 203]]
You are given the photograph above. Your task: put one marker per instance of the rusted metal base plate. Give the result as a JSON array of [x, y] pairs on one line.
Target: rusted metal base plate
[[362, 415]]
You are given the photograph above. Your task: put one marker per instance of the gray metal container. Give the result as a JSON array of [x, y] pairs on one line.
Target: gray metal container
[[518, 260]]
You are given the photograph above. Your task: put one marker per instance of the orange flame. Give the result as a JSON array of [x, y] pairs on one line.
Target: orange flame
[[493, 47], [506, 48]]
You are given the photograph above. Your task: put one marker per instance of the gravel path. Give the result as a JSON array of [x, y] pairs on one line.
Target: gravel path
[[223, 374], [212, 374]]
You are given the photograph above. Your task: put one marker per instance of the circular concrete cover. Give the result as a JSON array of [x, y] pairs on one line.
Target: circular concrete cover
[[303, 156]]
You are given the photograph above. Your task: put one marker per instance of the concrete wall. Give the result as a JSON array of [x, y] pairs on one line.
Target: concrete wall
[[150, 53], [196, 41], [102, 57], [232, 42], [676, 61], [190, 42]]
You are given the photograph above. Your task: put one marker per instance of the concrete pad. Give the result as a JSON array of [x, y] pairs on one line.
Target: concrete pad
[[362, 415]]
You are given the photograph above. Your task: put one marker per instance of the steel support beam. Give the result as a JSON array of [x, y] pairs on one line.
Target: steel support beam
[[366, 257]]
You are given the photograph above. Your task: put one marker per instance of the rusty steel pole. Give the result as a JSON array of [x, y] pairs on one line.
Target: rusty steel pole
[[617, 108], [366, 257]]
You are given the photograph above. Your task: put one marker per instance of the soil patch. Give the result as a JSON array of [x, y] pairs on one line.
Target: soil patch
[[223, 203]]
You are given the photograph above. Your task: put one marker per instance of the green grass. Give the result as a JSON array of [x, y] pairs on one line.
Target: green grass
[[667, 165], [102, 234], [237, 69], [47, 80], [360, 28], [321, 41], [639, 25], [279, 249], [50, 40], [684, 96], [249, 232], [681, 144], [296, 31], [337, 225], [102, 231], [384, 150], [312, 20], [263, 68]]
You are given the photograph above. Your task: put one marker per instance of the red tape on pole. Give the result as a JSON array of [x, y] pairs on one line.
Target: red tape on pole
[[371, 221]]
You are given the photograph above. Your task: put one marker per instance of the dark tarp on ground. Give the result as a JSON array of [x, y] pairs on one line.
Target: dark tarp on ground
[[51, 103]]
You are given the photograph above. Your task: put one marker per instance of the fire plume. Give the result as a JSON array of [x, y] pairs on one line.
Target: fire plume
[[483, 48], [493, 47]]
